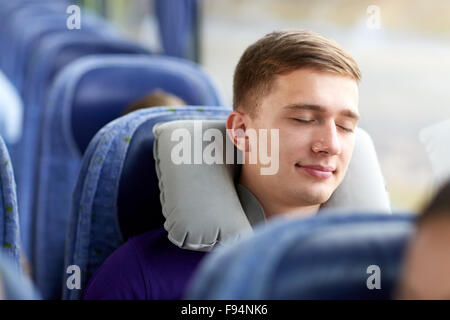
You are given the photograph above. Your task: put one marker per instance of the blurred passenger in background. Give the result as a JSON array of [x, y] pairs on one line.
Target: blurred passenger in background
[[11, 111], [157, 98], [426, 271]]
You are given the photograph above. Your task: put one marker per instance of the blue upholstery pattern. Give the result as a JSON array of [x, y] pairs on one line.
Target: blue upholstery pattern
[[25, 41], [323, 257], [121, 167], [9, 218], [97, 88]]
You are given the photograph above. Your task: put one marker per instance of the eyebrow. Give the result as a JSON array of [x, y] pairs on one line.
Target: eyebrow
[[313, 107]]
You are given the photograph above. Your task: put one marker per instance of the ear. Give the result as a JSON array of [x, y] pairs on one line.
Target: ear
[[236, 126]]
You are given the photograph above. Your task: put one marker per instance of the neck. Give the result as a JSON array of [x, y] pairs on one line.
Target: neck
[[273, 210], [273, 207]]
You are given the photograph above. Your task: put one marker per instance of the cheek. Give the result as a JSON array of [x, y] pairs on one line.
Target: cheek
[[295, 139], [293, 144]]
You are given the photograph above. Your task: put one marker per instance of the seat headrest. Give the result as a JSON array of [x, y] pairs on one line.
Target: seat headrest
[[205, 192], [95, 89], [138, 195], [348, 256], [65, 48]]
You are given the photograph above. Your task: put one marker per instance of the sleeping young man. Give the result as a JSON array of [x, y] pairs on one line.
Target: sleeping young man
[[297, 82]]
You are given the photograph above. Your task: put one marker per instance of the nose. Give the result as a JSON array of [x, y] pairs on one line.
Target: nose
[[327, 141]]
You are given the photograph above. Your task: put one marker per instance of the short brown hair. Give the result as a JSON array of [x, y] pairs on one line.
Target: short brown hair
[[281, 52]]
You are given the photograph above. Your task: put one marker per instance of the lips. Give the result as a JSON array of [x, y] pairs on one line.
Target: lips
[[317, 171]]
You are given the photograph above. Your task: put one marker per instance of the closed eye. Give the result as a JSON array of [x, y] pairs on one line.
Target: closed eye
[[303, 120], [346, 129]]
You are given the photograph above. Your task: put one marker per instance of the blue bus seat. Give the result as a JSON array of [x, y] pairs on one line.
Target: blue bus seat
[[117, 193], [323, 257], [97, 88], [51, 56]]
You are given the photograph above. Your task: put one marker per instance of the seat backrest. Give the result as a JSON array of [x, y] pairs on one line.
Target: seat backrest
[[51, 56], [348, 256], [25, 41], [97, 88], [9, 218], [12, 10], [117, 193]]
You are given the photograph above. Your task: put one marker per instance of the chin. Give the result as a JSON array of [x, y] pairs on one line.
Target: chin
[[317, 196]]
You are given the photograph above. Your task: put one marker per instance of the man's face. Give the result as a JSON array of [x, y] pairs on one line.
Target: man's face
[[315, 113], [427, 263]]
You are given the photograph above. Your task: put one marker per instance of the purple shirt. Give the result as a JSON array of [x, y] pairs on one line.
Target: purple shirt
[[146, 267], [150, 267]]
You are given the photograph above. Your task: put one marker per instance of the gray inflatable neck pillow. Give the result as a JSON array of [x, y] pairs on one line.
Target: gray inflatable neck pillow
[[199, 198]]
